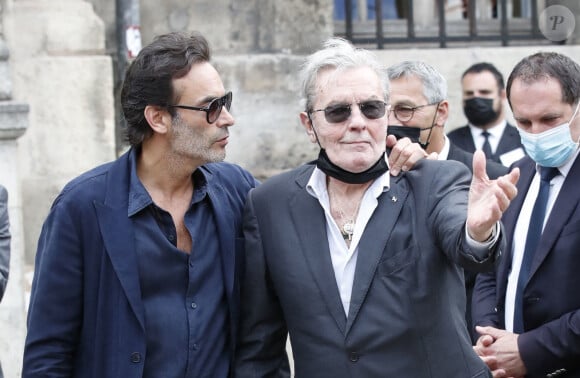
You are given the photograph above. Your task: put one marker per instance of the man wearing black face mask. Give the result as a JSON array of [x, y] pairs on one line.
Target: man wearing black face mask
[[361, 269], [419, 109], [483, 104]]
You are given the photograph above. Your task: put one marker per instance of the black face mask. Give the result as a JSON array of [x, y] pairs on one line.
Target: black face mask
[[325, 165], [479, 111], [413, 133]]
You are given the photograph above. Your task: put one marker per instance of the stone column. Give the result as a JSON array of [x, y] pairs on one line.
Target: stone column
[[59, 67], [13, 124], [425, 13]]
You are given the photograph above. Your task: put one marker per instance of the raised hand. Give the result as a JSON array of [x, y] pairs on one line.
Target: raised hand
[[488, 199], [405, 154]]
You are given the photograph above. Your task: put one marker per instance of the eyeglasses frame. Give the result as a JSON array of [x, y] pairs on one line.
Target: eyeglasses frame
[[413, 109], [222, 102], [349, 107]]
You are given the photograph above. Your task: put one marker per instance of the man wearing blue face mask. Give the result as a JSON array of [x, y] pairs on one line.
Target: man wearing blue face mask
[[528, 310], [484, 95]]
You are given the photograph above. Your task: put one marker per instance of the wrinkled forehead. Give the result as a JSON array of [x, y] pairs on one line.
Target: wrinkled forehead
[[348, 85]]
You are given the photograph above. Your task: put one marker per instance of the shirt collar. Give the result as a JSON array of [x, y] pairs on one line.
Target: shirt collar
[[565, 168], [316, 185], [495, 131], [139, 198], [444, 153]]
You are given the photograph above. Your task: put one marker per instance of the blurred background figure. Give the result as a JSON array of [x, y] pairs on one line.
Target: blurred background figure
[[484, 96]]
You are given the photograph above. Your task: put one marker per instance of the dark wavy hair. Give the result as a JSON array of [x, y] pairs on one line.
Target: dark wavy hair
[[149, 78]]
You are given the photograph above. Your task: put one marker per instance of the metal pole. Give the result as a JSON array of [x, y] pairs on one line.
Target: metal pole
[[379, 23], [128, 46]]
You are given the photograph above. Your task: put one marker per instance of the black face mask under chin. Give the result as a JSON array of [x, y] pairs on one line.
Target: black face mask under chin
[[413, 133], [325, 165]]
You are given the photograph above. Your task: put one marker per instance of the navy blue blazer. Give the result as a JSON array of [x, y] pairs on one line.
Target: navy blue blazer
[[551, 340], [406, 317], [86, 317], [510, 140]]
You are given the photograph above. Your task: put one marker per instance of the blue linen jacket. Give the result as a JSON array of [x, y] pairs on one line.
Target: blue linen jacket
[[86, 317]]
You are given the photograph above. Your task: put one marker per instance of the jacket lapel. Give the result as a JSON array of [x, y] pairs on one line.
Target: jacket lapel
[[310, 222], [224, 217], [373, 243], [562, 210], [468, 138], [118, 233], [509, 138]]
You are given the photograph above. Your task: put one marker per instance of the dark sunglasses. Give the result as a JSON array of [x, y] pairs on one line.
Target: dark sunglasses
[[214, 108], [373, 109]]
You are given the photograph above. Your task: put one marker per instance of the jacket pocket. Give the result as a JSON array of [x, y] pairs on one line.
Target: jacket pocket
[[399, 261]]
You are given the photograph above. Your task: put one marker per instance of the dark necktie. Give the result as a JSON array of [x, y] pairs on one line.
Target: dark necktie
[[486, 147], [532, 241]]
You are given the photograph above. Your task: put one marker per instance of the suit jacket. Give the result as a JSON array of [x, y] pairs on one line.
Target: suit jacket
[[510, 140], [4, 241], [406, 316], [86, 316], [551, 340], [493, 169]]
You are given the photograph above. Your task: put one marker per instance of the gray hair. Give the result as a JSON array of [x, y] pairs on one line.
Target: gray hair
[[340, 54], [434, 84]]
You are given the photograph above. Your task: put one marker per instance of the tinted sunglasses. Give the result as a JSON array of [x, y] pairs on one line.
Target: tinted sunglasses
[[213, 109], [373, 109]]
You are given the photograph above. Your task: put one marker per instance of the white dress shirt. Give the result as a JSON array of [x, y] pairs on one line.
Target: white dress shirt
[[495, 133], [343, 257], [521, 232], [445, 150]]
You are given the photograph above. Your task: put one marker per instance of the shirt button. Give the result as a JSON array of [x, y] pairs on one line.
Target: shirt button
[[171, 237], [136, 357], [193, 305], [195, 346], [353, 356]]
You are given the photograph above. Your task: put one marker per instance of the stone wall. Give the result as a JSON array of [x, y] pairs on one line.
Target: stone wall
[[61, 64], [60, 68]]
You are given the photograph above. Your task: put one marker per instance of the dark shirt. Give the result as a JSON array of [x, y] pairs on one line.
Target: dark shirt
[[186, 313]]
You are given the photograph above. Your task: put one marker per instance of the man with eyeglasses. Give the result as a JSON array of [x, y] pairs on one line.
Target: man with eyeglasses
[[419, 111], [363, 270], [137, 268], [136, 272]]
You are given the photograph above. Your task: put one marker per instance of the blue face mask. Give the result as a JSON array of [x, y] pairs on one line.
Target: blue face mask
[[553, 147]]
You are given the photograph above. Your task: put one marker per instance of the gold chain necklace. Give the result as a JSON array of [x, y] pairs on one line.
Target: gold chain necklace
[[346, 224]]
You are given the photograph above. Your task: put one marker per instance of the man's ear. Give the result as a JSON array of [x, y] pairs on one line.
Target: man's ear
[[442, 113], [158, 118], [307, 123]]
